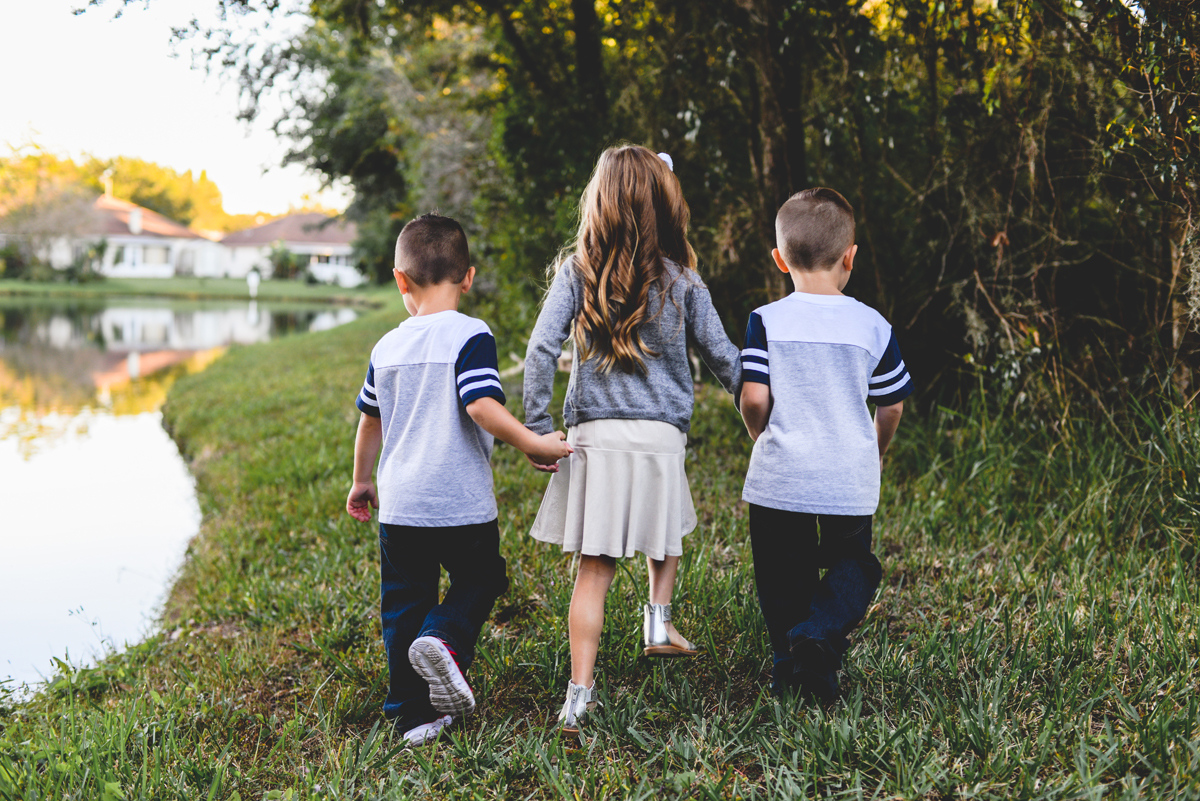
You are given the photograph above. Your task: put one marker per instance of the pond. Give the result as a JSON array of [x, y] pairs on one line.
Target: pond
[[96, 504]]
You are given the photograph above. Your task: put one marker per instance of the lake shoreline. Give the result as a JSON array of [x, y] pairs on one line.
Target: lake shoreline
[[82, 383], [200, 289]]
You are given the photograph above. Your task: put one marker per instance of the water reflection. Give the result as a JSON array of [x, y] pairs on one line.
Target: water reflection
[[96, 503], [121, 358]]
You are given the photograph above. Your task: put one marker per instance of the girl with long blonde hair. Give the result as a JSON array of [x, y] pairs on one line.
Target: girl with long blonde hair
[[628, 294]]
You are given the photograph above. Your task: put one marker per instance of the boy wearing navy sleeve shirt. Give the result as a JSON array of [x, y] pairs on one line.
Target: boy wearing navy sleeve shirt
[[431, 404], [811, 364]]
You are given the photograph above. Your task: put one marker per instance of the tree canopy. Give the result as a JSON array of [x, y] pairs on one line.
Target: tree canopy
[[1024, 172], [33, 177]]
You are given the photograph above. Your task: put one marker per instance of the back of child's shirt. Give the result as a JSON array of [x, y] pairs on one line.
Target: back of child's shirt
[[824, 357], [435, 466]]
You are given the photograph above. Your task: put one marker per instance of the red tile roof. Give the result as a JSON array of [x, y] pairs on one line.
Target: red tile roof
[[111, 216], [311, 228]]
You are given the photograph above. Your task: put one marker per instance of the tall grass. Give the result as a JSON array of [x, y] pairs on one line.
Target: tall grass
[[1035, 635]]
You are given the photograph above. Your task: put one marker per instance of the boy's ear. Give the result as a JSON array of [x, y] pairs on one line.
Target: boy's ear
[[848, 257], [401, 280], [468, 279], [779, 262]]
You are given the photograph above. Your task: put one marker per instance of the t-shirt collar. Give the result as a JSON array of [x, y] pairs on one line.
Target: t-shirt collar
[[823, 300], [427, 319]]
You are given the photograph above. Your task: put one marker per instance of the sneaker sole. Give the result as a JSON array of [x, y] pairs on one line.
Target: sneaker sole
[[668, 651], [449, 692]]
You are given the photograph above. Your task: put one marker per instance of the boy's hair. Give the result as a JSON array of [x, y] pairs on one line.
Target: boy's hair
[[432, 249], [814, 228]]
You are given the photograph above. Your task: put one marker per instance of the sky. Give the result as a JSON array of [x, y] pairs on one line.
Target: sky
[[108, 87]]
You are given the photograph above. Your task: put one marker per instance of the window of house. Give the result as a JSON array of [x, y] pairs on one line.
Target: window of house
[[323, 259], [156, 254], [119, 255]]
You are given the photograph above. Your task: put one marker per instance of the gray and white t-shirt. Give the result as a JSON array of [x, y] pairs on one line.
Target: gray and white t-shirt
[[824, 357], [435, 467]]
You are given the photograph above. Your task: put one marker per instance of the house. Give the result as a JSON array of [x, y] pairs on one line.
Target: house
[[141, 243], [328, 244]]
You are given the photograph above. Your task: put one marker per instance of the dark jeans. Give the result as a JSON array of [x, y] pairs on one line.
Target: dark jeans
[[411, 559], [807, 615]]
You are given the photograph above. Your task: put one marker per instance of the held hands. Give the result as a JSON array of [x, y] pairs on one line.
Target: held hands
[[547, 450], [361, 500]]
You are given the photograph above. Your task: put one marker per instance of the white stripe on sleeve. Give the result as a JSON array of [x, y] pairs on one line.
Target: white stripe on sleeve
[[480, 371], [891, 389], [754, 352], [462, 393], [762, 368], [879, 379], [362, 396]]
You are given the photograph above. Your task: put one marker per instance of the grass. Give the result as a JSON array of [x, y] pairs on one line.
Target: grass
[[198, 289], [1035, 635]]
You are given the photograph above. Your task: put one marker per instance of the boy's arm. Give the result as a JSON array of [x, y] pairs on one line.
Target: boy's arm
[[887, 388], [756, 407], [887, 418], [367, 441], [754, 396], [544, 450]]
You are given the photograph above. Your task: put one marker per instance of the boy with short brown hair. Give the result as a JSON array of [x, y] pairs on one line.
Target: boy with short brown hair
[[432, 402], [811, 363]]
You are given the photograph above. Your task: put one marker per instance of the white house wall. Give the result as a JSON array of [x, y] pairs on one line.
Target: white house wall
[[208, 259]]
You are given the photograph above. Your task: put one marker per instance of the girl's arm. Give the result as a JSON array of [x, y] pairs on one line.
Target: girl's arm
[[551, 330], [708, 335]]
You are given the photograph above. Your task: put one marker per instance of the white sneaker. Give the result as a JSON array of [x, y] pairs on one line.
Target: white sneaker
[[448, 689], [580, 701], [427, 732]]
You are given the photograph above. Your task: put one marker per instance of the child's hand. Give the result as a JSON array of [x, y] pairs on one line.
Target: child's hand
[[547, 450], [361, 500]]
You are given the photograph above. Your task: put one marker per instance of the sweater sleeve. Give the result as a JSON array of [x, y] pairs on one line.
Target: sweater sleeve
[[708, 335], [551, 330]]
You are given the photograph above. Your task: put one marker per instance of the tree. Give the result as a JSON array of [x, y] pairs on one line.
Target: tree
[[1023, 172]]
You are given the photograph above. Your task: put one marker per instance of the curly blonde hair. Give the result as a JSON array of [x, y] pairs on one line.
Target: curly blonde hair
[[632, 216]]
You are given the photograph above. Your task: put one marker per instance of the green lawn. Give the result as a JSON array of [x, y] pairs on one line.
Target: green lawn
[[1035, 635], [199, 289]]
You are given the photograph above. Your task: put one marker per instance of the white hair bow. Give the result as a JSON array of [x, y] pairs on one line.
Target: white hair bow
[[667, 160]]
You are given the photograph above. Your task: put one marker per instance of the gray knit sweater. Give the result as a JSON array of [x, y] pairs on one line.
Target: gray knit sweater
[[663, 392]]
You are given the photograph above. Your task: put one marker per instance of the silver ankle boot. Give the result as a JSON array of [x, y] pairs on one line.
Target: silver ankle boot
[[579, 701], [655, 639]]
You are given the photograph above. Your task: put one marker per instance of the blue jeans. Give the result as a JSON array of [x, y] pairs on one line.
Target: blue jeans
[[808, 616], [411, 560]]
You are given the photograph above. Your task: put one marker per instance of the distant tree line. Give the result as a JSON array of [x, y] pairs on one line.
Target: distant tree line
[[31, 176], [1024, 171]]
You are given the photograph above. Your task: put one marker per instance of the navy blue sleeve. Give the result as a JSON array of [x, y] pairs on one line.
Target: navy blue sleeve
[[890, 383], [368, 402], [756, 367], [476, 370]]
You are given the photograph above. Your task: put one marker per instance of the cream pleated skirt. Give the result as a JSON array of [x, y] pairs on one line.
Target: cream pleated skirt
[[623, 490]]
